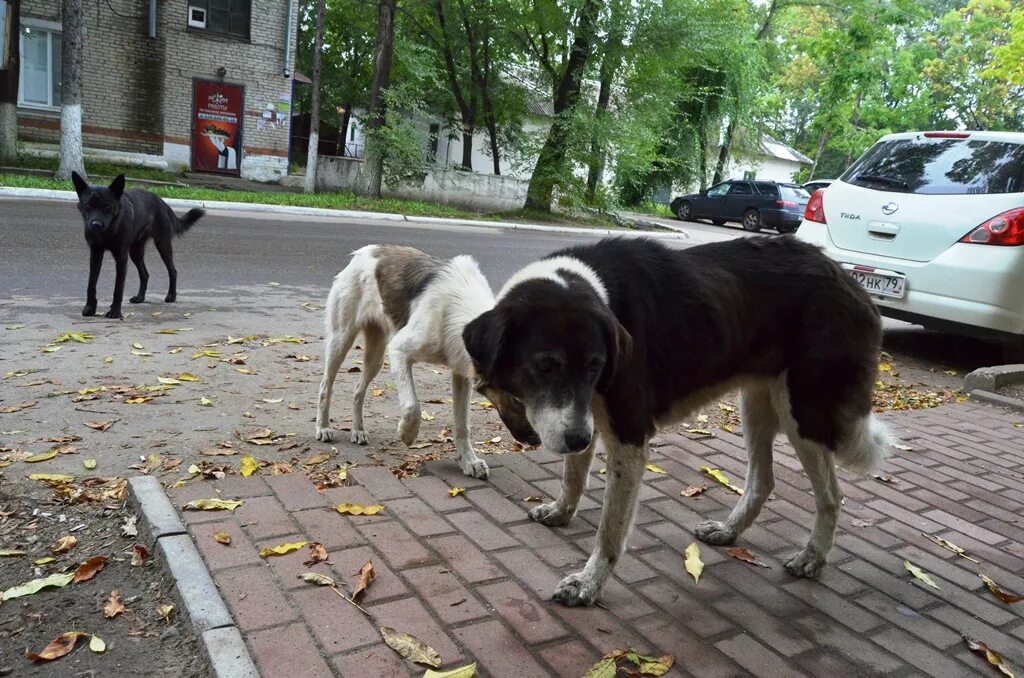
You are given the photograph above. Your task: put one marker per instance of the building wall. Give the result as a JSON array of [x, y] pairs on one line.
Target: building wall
[[765, 168]]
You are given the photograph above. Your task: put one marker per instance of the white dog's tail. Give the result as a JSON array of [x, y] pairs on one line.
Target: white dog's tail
[[347, 302], [869, 446]]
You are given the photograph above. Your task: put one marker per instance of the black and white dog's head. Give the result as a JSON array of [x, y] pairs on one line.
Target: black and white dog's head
[[541, 354], [99, 206]]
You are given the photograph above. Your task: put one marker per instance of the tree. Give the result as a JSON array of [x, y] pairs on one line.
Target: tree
[[383, 52], [10, 68], [71, 91], [314, 116]]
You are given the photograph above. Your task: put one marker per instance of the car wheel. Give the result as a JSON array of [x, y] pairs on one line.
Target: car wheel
[[752, 221], [718, 222], [685, 212], [784, 230]]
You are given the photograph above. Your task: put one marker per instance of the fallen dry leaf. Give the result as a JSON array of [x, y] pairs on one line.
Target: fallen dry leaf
[[605, 667], [949, 546], [97, 645], [358, 509], [212, 505], [10, 409], [993, 657], [282, 549], [746, 556], [456, 491], [653, 468], [694, 490], [42, 456], [99, 425], [222, 538], [36, 585], [64, 544], [114, 605], [317, 459], [318, 579], [249, 466], [720, 477], [165, 612], [1006, 597], [366, 576], [52, 478], [61, 645], [140, 554], [886, 478], [90, 568], [461, 672], [920, 574], [317, 554], [693, 563], [89, 464], [410, 647]]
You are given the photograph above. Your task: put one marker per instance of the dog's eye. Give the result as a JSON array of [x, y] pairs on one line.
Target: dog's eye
[[595, 364], [545, 364]]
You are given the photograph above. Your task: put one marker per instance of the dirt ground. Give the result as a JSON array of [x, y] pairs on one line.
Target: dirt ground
[[182, 392]]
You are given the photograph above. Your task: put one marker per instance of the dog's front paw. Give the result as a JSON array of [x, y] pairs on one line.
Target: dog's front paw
[[474, 467], [90, 309], [138, 299], [807, 564], [576, 590], [171, 298], [324, 434], [114, 314], [359, 437], [551, 514], [409, 426], [714, 533]]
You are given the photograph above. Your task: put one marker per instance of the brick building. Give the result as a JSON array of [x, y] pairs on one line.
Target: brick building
[[199, 84]]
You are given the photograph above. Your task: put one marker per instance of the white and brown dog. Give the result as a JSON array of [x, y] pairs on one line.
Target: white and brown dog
[[415, 307]]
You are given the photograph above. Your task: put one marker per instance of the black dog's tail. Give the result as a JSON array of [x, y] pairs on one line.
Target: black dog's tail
[[185, 222]]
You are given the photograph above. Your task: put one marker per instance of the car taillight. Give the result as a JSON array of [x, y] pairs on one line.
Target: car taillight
[[785, 204], [947, 135], [815, 210], [1006, 229]]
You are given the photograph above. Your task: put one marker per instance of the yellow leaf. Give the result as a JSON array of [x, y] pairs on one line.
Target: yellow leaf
[[89, 464], [377, 392], [137, 346], [138, 400], [244, 370], [456, 491], [193, 469], [655, 469], [109, 359], [205, 402], [427, 416], [920, 574], [991, 656], [273, 401], [141, 353], [36, 585], [206, 354], [720, 477], [42, 456], [212, 505], [655, 666], [461, 672], [605, 668], [249, 465], [317, 578], [358, 509], [44, 561], [52, 349], [693, 563], [51, 477], [165, 612], [726, 427], [1005, 596], [222, 538], [187, 376], [168, 381], [97, 645], [7, 553], [282, 549], [410, 647], [64, 544]]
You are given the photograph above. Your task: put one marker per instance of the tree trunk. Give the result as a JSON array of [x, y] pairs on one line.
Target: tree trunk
[[817, 154], [609, 64], [314, 113], [467, 146], [723, 153], [702, 143], [384, 50], [467, 109], [492, 133], [9, 86], [71, 91], [550, 165]]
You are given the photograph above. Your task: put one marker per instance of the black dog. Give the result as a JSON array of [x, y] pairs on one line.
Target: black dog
[[122, 221]]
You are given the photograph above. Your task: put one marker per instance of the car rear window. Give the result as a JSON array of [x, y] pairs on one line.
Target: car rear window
[[940, 167], [766, 189], [794, 192]]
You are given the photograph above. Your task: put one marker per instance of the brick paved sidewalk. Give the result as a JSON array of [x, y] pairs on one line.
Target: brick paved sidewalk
[[472, 576]]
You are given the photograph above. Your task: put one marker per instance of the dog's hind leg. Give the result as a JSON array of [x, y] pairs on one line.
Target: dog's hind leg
[[575, 473], [760, 425], [471, 464], [137, 254], [820, 467], [339, 341], [375, 341], [163, 246], [625, 474]]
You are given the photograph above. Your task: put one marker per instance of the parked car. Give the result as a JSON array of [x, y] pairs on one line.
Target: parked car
[[932, 225], [812, 186], [754, 204]]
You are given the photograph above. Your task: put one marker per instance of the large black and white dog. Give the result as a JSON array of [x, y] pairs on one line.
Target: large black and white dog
[[626, 336], [121, 222]]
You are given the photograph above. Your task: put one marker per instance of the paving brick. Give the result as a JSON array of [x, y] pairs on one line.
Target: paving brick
[[856, 651], [219, 556], [502, 653], [347, 564], [686, 608], [449, 599], [529, 570], [434, 492], [755, 657], [470, 562], [287, 651], [336, 624], [510, 485], [416, 515], [485, 534], [897, 587], [254, 598], [623, 601], [964, 526], [376, 660], [496, 506], [409, 615], [919, 654], [448, 471], [522, 612], [669, 565], [599, 627], [750, 583], [264, 517], [667, 636], [570, 659], [777, 632], [839, 608], [400, 547], [962, 622], [240, 487], [328, 527], [380, 482], [289, 568], [192, 492], [296, 491], [549, 544], [523, 466], [552, 488], [934, 634]]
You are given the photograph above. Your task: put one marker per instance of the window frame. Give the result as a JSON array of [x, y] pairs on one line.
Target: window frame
[[205, 6], [738, 184], [50, 28]]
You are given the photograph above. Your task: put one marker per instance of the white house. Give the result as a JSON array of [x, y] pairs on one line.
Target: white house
[[772, 160]]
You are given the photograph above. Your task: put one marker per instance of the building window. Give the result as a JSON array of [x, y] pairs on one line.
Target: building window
[[229, 17], [39, 84]]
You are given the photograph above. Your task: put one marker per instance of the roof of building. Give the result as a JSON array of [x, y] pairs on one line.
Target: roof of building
[[777, 149]]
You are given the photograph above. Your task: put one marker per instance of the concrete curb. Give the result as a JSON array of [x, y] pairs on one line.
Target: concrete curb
[[218, 206], [222, 641], [981, 385]]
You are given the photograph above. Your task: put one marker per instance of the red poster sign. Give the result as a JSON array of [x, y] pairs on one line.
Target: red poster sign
[[217, 127]]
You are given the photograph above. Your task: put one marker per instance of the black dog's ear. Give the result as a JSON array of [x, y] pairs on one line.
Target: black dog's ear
[[81, 185], [483, 338], [620, 349], [117, 186]]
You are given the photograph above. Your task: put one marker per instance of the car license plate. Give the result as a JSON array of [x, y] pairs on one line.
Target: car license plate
[[875, 281]]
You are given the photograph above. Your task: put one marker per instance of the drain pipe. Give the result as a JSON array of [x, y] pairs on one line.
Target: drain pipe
[[287, 39], [152, 18]]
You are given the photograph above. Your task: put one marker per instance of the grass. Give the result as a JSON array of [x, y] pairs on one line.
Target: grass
[[100, 168], [335, 200]]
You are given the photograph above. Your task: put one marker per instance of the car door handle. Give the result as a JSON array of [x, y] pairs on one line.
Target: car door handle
[[883, 230]]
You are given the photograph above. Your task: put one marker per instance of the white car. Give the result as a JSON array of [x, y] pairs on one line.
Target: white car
[[932, 225]]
